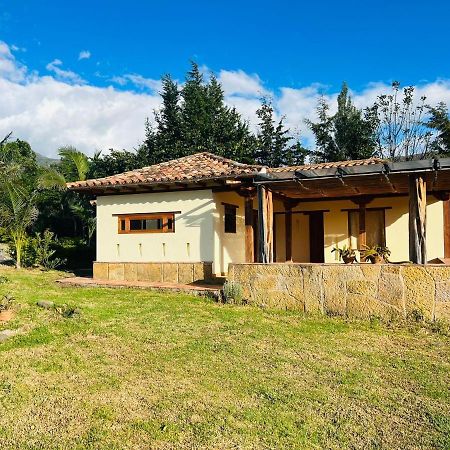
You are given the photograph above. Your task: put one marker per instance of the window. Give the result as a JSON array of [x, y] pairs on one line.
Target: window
[[147, 223], [375, 228], [230, 218]]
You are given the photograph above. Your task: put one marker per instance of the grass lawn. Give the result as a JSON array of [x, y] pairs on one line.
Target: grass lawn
[[146, 370]]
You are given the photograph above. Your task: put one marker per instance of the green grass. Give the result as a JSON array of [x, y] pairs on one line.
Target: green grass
[[147, 370]]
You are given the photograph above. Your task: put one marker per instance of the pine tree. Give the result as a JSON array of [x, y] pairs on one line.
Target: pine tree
[[273, 146], [348, 134]]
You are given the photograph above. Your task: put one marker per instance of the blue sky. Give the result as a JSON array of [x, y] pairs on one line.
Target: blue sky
[[292, 51]]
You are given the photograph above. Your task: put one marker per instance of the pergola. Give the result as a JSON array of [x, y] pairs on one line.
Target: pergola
[[360, 184]]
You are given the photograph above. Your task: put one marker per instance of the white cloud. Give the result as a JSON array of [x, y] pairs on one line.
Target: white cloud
[[10, 68], [237, 82], [84, 54], [65, 75], [138, 81], [60, 109]]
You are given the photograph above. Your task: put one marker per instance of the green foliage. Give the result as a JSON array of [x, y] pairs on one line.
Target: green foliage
[[402, 132], [345, 253], [233, 293], [375, 253], [440, 122], [348, 134], [74, 165], [274, 147], [194, 118], [5, 302]]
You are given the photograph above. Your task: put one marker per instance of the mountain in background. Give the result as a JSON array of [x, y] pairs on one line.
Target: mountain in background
[[45, 161]]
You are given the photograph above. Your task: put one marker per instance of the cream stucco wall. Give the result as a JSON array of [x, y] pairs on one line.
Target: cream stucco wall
[[193, 240], [336, 228], [200, 236], [228, 247]]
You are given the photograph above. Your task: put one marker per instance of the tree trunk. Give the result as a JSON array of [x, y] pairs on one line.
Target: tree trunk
[[417, 219]]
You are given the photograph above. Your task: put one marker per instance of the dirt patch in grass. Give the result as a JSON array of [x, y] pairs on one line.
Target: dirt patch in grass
[[145, 370]]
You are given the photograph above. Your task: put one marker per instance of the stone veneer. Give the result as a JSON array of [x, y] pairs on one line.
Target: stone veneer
[[388, 291], [164, 272]]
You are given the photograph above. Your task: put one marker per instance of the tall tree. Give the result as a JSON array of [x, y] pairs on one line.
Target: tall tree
[[348, 134], [440, 122], [402, 132], [274, 143], [195, 118]]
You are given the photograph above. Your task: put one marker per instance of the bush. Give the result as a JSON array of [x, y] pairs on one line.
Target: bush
[[38, 251], [232, 293], [5, 302]]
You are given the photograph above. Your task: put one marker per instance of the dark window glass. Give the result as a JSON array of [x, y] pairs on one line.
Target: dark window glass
[[153, 224], [230, 219], [122, 225], [170, 224], [135, 224]]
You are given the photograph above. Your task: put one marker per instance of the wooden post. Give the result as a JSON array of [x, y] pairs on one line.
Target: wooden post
[[249, 245], [417, 219], [265, 225], [362, 226], [288, 231]]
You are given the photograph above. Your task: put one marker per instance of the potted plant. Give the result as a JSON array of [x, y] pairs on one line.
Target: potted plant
[[376, 254], [346, 254]]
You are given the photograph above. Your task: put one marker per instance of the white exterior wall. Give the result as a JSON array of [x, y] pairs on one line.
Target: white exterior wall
[[193, 240], [228, 247]]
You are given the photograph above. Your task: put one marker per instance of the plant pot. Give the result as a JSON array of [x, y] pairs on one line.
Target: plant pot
[[349, 259], [377, 259]]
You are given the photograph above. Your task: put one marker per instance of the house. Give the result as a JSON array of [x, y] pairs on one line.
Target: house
[[189, 218]]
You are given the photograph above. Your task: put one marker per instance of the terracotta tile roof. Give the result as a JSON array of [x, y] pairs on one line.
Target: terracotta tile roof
[[200, 166], [328, 165]]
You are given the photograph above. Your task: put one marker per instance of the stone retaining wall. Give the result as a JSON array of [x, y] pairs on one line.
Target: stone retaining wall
[[359, 290], [164, 272]]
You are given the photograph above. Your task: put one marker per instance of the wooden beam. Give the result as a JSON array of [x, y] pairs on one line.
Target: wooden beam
[[249, 245], [417, 219], [446, 205]]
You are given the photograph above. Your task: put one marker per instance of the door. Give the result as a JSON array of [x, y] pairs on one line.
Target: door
[[316, 237]]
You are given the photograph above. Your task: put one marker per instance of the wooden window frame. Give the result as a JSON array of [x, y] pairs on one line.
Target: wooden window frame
[[165, 217], [363, 229], [229, 207]]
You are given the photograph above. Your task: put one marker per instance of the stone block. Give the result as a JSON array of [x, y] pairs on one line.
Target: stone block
[[100, 271], [185, 273], [443, 292], [130, 271], [419, 290], [151, 272], [313, 291], [439, 273], [370, 271], [202, 271], [362, 287], [391, 290], [170, 272], [116, 271]]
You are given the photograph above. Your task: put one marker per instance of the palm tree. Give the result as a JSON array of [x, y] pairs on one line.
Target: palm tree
[[17, 207]]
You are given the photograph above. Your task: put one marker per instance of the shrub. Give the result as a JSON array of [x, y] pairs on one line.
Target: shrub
[[5, 302], [38, 251], [232, 293]]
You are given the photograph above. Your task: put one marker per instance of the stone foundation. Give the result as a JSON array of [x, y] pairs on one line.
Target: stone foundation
[[164, 272], [388, 291]]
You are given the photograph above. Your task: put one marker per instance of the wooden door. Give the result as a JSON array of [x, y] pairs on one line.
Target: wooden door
[[316, 237]]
